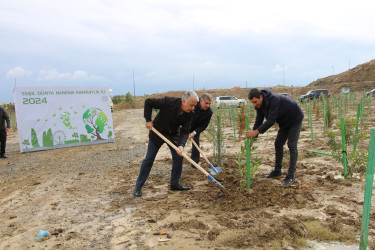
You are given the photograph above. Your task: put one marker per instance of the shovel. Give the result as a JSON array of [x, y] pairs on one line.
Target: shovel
[[214, 171], [189, 159]]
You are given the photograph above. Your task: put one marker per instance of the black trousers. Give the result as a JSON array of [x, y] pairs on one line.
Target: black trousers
[[148, 161], [195, 155], [3, 140], [292, 135]]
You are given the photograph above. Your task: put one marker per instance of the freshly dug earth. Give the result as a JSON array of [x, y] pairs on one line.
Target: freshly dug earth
[[84, 197]]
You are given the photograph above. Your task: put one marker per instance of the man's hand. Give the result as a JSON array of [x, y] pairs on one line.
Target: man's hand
[[191, 135], [252, 133], [149, 125], [180, 150], [7, 129]]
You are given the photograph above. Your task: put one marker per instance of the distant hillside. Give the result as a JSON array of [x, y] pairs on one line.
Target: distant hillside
[[237, 92], [358, 79]]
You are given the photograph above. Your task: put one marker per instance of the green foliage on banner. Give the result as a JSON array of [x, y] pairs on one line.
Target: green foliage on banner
[[75, 135], [83, 138], [65, 118], [34, 139], [26, 142], [48, 138], [89, 129], [71, 141], [101, 121]]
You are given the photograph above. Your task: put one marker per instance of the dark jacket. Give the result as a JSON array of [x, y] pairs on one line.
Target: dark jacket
[[4, 118], [277, 108], [201, 119], [171, 121]]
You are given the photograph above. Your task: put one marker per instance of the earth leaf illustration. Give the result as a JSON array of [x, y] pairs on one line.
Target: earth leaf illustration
[[95, 122]]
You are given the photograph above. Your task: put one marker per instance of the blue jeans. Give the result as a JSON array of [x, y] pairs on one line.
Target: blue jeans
[[147, 163], [291, 134]]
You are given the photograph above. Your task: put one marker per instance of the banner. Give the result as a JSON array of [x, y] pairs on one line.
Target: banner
[[57, 117]]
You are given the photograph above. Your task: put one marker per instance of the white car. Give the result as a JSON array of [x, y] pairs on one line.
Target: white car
[[372, 92], [229, 101]]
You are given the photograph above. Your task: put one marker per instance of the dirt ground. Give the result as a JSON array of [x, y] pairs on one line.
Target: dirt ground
[[84, 197]]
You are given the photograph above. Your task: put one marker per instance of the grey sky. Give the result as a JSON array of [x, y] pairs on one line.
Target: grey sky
[[169, 43]]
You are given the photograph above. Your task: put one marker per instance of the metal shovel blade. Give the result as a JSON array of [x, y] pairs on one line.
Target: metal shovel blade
[[213, 170], [213, 179]]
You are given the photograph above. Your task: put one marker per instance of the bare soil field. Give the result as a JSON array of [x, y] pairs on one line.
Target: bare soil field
[[84, 197]]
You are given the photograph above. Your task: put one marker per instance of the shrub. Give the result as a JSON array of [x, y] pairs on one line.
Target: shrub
[[129, 99], [241, 121], [356, 160], [255, 162], [117, 99], [216, 134]]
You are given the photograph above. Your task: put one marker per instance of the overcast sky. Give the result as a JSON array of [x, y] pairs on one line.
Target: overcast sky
[[180, 44]]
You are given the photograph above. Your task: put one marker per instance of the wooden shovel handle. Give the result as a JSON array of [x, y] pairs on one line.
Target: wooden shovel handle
[[200, 150], [183, 154]]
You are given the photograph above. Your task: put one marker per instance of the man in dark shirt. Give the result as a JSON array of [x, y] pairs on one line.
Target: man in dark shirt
[[286, 112], [3, 131], [201, 119], [173, 121]]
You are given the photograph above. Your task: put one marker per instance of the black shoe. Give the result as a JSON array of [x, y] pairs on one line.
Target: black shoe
[[274, 174], [179, 187], [288, 180], [3, 156], [138, 192]]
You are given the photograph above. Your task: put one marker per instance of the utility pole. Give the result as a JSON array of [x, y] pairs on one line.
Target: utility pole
[[133, 83], [246, 83], [284, 75]]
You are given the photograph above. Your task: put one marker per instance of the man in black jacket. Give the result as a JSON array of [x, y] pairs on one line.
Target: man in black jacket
[[3, 131], [201, 119], [286, 112], [173, 121]]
